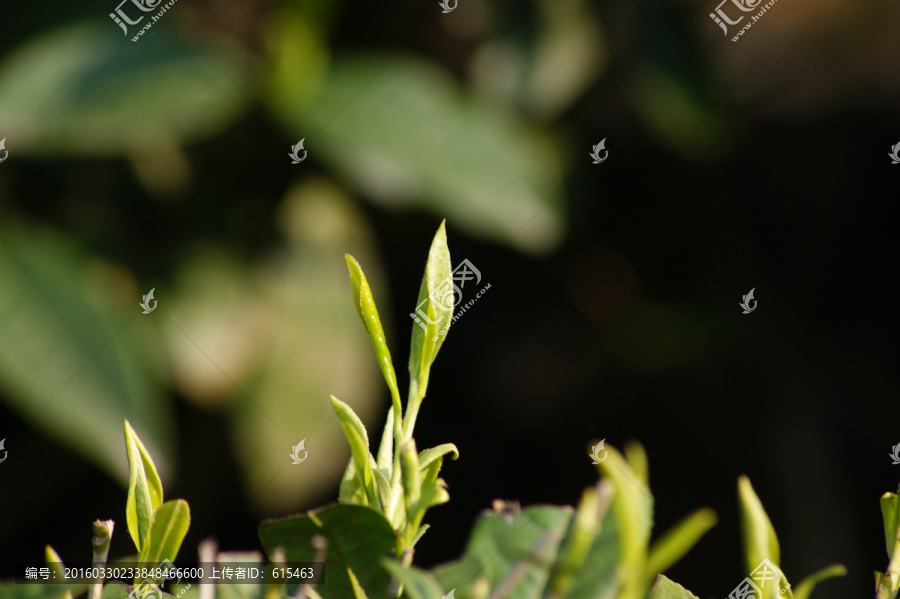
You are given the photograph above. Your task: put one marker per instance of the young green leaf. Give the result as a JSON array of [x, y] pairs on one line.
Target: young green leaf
[[433, 313], [888, 584], [575, 548], [667, 589], [170, 524], [383, 485], [356, 435], [145, 492], [430, 495], [890, 513], [385, 460], [351, 491], [368, 313], [411, 477], [678, 540], [429, 455], [633, 507], [806, 586], [57, 567], [760, 541]]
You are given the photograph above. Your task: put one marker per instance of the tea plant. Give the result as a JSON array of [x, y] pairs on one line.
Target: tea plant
[[599, 549]]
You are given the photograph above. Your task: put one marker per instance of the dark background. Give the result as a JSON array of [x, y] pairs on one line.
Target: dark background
[[630, 329]]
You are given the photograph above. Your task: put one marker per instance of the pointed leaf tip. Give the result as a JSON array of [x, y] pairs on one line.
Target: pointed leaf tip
[[434, 310], [145, 492]]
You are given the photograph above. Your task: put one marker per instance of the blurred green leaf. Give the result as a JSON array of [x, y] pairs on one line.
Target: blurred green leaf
[[678, 540], [890, 513], [401, 131], [515, 555], [667, 589], [298, 53], [584, 565], [268, 341], [887, 584], [675, 93], [358, 538], [512, 551], [57, 567], [72, 362], [115, 590], [547, 74], [170, 525], [145, 492], [12, 590], [106, 95], [246, 589], [803, 588], [633, 507], [417, 584], [760, 541]]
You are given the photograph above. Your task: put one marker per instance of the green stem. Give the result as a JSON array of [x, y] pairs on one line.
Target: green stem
[[416, 395]]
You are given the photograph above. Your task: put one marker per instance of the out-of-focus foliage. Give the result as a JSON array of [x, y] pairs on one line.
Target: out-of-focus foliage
[[230, 333], [110, 97], [402, 132], [74, 360], [269, 341]]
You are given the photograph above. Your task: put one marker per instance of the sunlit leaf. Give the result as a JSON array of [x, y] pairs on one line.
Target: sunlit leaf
[[170, 525], [355, 432], [145, 492], [633, 507], [760, 541], [433, 312], [667, 589]]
